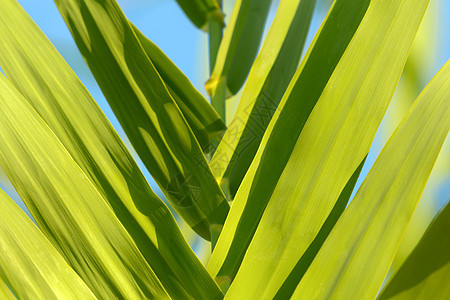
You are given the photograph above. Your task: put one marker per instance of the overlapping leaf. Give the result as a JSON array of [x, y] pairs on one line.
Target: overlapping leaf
[[383, 206], [297, 273], [51, 87], [315, 167], [31, 265], [426, 272], [237, 50], [68, 208], [268, 79], [199, 114], [146, 110], [305, 89]]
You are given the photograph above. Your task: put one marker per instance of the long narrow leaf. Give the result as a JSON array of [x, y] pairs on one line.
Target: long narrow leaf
[[51, 87], [200, 115], [383, 206], [297, 273], [303, 93], [32, 266], [67, 207], [268, 79], [237, 50], [426, 272], [146, 110], [333, 142]]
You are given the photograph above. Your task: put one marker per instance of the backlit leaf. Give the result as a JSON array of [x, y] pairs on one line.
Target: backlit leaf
[[30, 264], [199, 114], [305, 89], [146, 110], [426, 272], [67, 207], [331, 145], [268, 79], [51, 87], [353, 263]]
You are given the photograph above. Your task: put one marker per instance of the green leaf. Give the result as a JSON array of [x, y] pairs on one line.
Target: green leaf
[[237, 50], [67, 207], [5, 292], [201, 11], [30, 264], [289, 285], [215, 28], [50, 86], [268, 79], [315, 167], [383, 206], [146, 111], [303, 93], [426, 272], [199, 114]]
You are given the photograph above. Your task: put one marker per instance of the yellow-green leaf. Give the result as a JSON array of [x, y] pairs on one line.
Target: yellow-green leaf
[[51, 87], [67, 207], [268, 79], [353, 263], [146, 110], [5, 292], [332, 144], [289, 285], [30, 264], [426, 272]]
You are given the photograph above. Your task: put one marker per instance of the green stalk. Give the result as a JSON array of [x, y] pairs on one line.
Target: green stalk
[[216, 25], [238, 49]]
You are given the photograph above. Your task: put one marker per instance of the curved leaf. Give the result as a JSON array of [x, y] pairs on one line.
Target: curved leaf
[[50, 86], [426, 271], [303, 93], [333, 142], [384, 204], [147, 112], [199, 114], [67, 207], [32, 266]]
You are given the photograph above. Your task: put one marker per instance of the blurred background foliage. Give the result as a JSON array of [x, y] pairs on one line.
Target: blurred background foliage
[[167, 26]]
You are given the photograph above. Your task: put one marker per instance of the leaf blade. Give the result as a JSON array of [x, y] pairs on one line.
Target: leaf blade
[[29, 262], [5, 292], [307, 85], [51, 87], [325, 156], [426, 271], [149, 116], [268, 79], [67, 207], [200, 11], [200, 115], [237, 50], [384, 204]]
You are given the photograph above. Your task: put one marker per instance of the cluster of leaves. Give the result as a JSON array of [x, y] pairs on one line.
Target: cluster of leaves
[[287, 162]]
